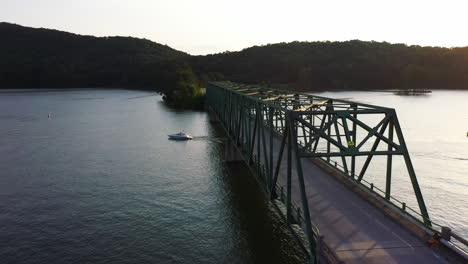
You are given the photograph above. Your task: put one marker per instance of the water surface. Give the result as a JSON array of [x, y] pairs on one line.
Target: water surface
[[99, 182]]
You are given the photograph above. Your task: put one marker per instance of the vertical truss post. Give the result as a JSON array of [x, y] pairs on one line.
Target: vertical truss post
[[252, 140], [265, 156], [305, 204], [304, 135], [224, 112], [257, 112], [353, 138], [231, 106], [288, 184], [239, 126], [246, 129], [348, 141], [280, 159], [328, 130], [234, 117], [270, 112], [412, 174], [276, 118], [388, 180]]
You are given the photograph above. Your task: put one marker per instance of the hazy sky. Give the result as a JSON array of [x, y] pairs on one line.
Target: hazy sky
[[210, 26]]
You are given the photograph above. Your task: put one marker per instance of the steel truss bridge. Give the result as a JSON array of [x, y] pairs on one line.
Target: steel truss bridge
[[329, 166]]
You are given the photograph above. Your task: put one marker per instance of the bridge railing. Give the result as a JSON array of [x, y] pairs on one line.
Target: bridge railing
[[451, 236]]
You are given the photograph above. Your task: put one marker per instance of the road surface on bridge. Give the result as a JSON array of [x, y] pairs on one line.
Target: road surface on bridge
[[356, 230]]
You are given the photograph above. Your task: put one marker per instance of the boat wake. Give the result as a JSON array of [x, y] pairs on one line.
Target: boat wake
[[207, 138]]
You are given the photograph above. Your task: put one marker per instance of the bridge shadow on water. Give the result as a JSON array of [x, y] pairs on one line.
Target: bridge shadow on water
[[260, 230]]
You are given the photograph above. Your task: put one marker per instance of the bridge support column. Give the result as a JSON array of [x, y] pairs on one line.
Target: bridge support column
[[231, 152]]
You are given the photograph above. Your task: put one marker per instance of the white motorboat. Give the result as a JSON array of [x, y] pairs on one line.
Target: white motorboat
[[180, 136]]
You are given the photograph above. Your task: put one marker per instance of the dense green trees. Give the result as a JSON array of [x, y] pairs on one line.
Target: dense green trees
[[186, 91], [35, 58], [342, 65]]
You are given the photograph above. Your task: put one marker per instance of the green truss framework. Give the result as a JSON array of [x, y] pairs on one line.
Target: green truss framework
[[348, 135]]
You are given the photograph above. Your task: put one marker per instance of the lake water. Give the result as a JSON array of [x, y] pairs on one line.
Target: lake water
[[99, 182]]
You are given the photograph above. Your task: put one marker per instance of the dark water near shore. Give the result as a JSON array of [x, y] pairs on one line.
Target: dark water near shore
[[99, 182]]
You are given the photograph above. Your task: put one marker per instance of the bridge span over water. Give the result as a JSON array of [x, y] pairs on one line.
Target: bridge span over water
[[313, 157]]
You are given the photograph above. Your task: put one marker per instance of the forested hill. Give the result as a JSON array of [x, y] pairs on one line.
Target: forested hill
[[35, 58], [343, 65]]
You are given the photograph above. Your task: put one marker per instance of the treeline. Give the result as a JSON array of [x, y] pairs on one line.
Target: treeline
[[36, 58], [345, 65]]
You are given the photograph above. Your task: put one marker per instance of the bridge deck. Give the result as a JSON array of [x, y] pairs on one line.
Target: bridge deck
[[356, 230]]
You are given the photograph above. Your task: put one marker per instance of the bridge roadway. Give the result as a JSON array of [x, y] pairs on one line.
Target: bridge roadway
[[356, 230]]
